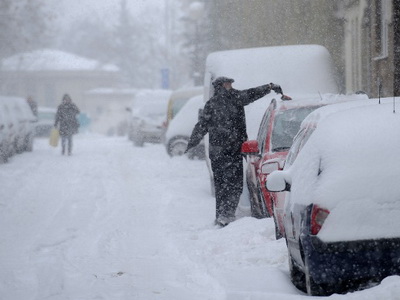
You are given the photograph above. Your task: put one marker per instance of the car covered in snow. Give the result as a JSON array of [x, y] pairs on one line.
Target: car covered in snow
[[279, 125], [25, 120], [147, 116], [7, 131], [180, 128], [341, 191], [16, 126]]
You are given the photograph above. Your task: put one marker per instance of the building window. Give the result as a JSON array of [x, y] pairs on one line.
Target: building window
[[383, 19]]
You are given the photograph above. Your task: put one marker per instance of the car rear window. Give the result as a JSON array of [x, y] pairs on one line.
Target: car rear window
[[286, 125]]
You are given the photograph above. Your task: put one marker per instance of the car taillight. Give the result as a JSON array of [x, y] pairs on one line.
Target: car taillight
[[318, 217]]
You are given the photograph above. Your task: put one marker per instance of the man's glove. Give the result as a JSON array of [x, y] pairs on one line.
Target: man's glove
[[276, 88]]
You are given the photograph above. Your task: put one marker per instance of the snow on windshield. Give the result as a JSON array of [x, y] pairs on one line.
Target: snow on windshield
[[286, 125]]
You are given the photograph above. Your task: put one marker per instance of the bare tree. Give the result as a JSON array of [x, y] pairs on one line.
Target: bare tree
[[24, 26]]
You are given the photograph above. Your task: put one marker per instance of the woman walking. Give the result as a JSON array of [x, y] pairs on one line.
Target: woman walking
[[68, 124]]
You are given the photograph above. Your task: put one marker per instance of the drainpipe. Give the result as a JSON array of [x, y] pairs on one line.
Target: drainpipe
[[396, 47]]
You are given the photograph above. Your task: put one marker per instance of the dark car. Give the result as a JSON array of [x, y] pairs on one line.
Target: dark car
[[341, 199]]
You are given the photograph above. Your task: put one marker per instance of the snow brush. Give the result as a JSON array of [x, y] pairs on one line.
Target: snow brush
[[285, 97], [278, 90]]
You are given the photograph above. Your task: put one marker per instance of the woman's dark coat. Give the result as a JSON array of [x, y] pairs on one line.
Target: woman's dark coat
[[66, 117]]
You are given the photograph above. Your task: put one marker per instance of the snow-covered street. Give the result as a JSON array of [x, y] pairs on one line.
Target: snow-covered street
[[119, 222]]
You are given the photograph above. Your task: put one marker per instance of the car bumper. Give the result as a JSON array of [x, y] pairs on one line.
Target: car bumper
[[354, 260]]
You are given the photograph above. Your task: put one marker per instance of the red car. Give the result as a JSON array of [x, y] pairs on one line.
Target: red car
[[278, 127]]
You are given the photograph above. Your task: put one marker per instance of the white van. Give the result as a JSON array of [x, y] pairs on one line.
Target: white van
[[303, 71]]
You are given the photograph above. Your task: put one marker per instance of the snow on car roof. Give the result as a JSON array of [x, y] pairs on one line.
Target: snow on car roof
[[255, 111], [299, 69], [53, 60], [325, 111], [354, 151], [150, 101]]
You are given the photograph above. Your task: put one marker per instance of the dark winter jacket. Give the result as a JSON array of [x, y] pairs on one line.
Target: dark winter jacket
[[66, 117], [224, 119]]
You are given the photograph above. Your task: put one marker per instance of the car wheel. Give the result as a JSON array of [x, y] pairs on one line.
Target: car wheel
[[257, 205], [29, 143], [3, 155], [313, 289], [138, 142], [296, 275], [177, 146], [278, 234]]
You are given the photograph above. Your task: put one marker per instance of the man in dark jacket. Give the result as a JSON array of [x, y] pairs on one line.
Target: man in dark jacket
[[66, 118], [224, 119]]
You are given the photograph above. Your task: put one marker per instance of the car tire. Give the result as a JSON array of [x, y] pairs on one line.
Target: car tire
[[138, 140], [138, 143], [257, 207], [312, 288], [278, 234], [29, 143], [177, 146], [3, 155], [296, 275], [19, 148]]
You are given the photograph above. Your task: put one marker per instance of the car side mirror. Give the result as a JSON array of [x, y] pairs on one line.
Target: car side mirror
[[250, 148], [278, 181]]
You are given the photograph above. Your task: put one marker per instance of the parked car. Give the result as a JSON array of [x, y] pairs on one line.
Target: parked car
[[341, 211], [280, 123], [17, 123], [301, 70], [25, 120], [176, 101], [46, 119], [6, 138], [180, 129], [148, 114]]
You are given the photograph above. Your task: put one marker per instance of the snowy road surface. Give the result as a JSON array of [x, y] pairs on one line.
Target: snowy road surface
[[118, 222]]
